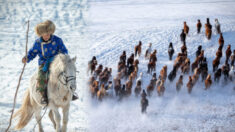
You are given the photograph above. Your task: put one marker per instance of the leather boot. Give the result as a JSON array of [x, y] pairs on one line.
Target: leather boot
[[44, 99], [75, 97]]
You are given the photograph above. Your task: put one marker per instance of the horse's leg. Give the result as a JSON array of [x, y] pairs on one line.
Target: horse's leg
[[57, 119], [39, 118], [65, 118], [92, 71], [148, 69], [52, 118]]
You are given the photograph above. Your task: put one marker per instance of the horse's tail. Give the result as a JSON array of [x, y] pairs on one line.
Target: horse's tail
[[25, 112]]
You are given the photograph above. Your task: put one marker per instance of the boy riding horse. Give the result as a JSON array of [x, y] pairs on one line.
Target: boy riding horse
[[46, 47]]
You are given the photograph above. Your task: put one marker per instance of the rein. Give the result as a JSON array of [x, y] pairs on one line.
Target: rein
[[67, 79]]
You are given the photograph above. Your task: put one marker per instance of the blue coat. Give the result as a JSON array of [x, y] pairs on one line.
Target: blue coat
[[46, 50]]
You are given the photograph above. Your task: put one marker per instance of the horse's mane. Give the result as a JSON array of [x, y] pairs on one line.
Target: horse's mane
[[59, 63]]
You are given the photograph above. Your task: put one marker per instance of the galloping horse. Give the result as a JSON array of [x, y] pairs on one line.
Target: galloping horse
[[61, 85]]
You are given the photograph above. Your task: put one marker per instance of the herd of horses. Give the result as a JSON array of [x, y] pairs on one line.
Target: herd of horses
[[102, 84]]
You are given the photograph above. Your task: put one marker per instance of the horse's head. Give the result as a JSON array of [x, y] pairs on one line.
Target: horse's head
[[70, 74], [63, 67]]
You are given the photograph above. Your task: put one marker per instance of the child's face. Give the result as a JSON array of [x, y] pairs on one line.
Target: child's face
[[46, 37]]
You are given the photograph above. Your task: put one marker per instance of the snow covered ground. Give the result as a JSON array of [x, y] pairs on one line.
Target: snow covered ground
[[117, 25], [69, 17], [104, 28]]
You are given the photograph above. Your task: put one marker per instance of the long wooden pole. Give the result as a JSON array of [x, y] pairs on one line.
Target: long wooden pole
[[26, 50]]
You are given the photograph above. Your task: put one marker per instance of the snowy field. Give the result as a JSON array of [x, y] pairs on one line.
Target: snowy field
[[69, 17], [104, 28], [115, 26]]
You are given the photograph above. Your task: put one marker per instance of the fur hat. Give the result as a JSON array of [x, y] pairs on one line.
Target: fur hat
[[46, 27]]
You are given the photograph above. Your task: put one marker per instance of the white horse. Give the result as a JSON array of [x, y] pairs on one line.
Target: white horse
[[232, 73], [61, 85], [140, 77], [148, 51]]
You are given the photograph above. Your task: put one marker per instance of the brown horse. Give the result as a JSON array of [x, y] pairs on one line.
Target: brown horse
[[104, 76], [161, 88], [195, 64], [98, 70], [129, 86], [136, 63], [94, 88], [122, 92], [172, 74], [130, 60], [133, 75], [208, 81], [91, 80], [144, 102], [217, 26], [208, 32], [158, 82], [109, 89], [124, 73], [208, 28], [182, 36], [225, 70], [177, 66], [228, 53], [199, 49], [103, 72], [216, 63], [117, 86], [186, 28], [179, 60], [204, 70], [123, 57], [219, 52], [217, 75], [199, 25], [183, 55], [101, 93], [179, 83], [190, 85], [153, 56], [196, 75], [92, 64], [170, 51], [118, 76], [138, 49], [184, 49], [163, 72], [185, 68], [121, 65], [221, 40], [150, 87], [151, 67], [138, 88], [201, 56]]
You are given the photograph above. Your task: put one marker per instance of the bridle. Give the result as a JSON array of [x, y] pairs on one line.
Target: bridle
[[66, 79]]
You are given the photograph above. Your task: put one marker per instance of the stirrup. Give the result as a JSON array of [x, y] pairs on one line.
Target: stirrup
[[44, 100]]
